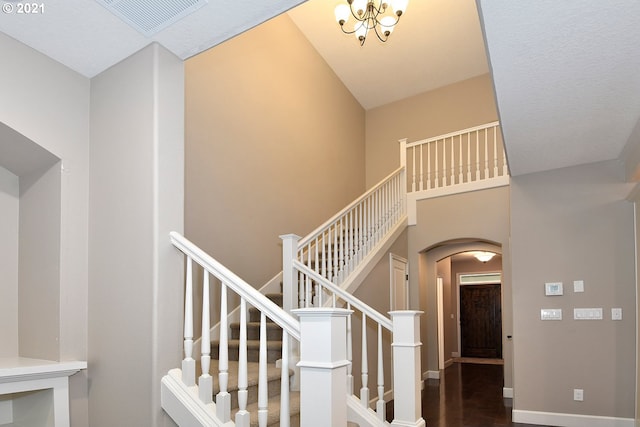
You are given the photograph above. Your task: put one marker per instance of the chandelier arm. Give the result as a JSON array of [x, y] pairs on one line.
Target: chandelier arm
[[383, 40], [347, 32]]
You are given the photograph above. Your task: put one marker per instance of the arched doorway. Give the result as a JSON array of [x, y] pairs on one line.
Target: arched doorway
[[445, 263]]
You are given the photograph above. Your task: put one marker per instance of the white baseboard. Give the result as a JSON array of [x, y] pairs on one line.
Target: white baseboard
[[431, 375], [569, 420], [448, 363], [507, 392]]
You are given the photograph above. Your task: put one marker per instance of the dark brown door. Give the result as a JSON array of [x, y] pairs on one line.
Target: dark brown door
[[481, 321]]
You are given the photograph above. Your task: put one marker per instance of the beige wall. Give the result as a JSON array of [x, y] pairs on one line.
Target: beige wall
[[49, 104], [450, 108], [573, 224], [135, 275], [275, 145], [9, 209]]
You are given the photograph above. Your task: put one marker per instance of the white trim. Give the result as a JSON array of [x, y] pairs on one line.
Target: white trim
[[507, 392], [448, 363], [569, 420], [440, 320], [431, 375]]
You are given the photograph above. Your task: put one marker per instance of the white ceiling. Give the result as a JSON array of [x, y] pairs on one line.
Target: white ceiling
[[565, 72]]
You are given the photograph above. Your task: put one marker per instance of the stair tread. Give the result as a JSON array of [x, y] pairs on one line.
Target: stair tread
[[273, 373], [251, 344], [274, 409]]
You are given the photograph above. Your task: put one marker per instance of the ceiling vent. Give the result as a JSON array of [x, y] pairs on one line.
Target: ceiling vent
[[151, 16]]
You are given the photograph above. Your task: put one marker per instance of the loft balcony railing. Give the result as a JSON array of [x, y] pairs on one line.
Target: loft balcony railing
[[466, 160]]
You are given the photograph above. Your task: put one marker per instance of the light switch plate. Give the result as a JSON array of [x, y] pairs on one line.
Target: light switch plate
[[551, 314], [553, 288], [587, 313], [578, 286]]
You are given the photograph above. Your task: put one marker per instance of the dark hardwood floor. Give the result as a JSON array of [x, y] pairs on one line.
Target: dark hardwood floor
[[467, 395]]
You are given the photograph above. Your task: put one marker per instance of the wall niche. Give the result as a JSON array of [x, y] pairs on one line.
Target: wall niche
[[30, 205]]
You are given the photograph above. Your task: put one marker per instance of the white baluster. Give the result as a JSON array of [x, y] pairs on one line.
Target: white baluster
[[460, 174], [504, 158], [364, 391], [413, 180], [242, 416], [307, 282], [486, 155], [205, 382], [444, 162], [477, 156], [495, 153], [349, 353], [380, 404], [263, 395], [223, 398], [308, 291], [428, 166], [337, 259], [303, 291], [329, 275], [436, 165], [468, 157], [421, 168], [324, 254], [284, 382], [342, 249], [188, 364], [453, 169]]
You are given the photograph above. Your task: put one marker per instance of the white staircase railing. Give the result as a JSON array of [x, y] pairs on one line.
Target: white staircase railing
[[341, 246], [465, 156], [466, 160], [197, 397], [405, 345], [317, 271]]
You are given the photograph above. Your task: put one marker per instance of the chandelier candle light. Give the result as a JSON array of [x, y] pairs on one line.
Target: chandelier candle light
[[381, 16]]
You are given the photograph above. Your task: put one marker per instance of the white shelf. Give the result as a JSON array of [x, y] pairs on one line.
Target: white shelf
[[20, 374]]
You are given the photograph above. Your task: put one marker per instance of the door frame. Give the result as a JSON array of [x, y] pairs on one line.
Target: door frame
[[479, 282]]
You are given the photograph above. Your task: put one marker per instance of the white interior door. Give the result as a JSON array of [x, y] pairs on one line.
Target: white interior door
[[399, 283]]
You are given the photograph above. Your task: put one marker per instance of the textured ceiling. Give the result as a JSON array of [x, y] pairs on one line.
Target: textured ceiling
[[86, 37], [567, 78]]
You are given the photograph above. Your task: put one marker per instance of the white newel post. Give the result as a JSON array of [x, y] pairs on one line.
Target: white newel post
[[323, 366], [289, 274], [407, 402]]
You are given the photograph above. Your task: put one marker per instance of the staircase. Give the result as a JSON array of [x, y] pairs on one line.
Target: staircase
[[309, 328], [273, 374]]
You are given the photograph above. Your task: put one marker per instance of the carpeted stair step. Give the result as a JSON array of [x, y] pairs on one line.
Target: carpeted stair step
[[273, 381], [274, 350], [273, 419], [274, 332]]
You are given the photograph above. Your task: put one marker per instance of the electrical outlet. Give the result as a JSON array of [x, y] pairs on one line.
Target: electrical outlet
[[578, 394]]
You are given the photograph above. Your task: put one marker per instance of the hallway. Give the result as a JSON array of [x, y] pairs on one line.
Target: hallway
[[467, 395]]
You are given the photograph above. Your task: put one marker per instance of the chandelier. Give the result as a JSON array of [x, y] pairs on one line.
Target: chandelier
[[370, 15]]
